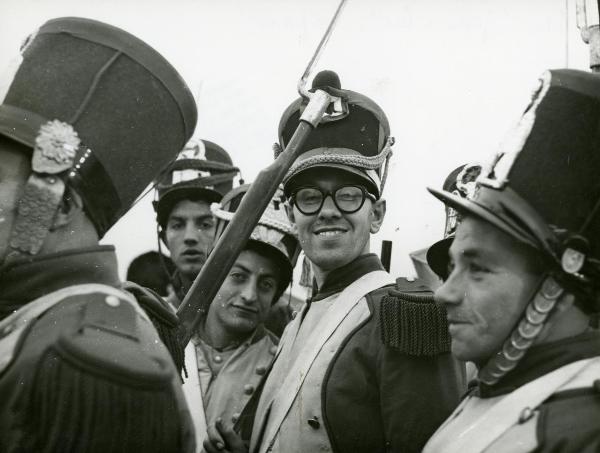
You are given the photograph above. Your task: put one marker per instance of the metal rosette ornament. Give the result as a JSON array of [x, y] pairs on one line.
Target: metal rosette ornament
[[73, 100], [56, 146], [274, 233], [541, 188]]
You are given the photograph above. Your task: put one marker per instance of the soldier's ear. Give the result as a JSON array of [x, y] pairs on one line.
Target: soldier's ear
[[162, 236], [377, 215], [70, 206], [289, 210]]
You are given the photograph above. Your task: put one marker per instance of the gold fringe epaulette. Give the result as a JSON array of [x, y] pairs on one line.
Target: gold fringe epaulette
[[412, 322]]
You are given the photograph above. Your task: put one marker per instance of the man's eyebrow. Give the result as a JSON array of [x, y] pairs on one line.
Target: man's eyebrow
[[184, 217], [470, 253], [464, 253], [269, 275], [242, 268]]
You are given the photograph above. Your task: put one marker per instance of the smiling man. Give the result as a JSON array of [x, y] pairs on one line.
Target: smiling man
[[232, 348], [201, 175], [523, 288], [335, 386]]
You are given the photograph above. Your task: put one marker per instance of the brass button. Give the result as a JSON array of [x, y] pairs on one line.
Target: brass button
[[235, 417], [218, 359], [526, 414], [260, 370], [273, 350], [314, 422], [9, 328], [248, 389], [112, 301]]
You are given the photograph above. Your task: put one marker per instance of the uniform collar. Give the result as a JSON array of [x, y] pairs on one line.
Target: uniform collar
[[340, 278], [26, 279], [258, 334], [543, 359]]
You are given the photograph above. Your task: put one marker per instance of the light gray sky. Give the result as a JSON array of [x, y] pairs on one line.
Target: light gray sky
[[451, 75]]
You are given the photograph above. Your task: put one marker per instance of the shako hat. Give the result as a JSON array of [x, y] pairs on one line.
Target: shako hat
[[358, 143], [202, 171], [101, 109], [460, 182], [542, 186], [274, 233]]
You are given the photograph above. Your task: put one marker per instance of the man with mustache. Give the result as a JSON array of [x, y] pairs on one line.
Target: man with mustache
[[335, 385], [522, 293], [88, 119], [201, 175]]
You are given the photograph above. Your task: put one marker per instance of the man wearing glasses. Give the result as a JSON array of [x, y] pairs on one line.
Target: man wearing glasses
[[334, 384]]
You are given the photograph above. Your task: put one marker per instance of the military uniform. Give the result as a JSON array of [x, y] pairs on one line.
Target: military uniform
[[82, 367], [342, 381], [221, 382], [72, 320], [350, 391], [541, 190], [564, 375]]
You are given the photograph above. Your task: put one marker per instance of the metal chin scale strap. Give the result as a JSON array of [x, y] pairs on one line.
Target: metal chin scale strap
[[523, 336], [572, 260], [56, 147]]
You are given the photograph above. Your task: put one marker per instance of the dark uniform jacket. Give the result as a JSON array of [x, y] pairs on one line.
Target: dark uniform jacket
[[82, 369], [374, 397], [566, 421]]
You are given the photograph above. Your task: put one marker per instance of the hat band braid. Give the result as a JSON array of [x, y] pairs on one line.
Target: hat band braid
[[363, 162]]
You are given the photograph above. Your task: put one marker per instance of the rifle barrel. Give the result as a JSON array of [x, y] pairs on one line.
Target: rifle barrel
[[232, 242]]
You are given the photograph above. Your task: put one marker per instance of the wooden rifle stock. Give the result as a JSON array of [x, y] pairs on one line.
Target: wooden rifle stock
[[208, 282]]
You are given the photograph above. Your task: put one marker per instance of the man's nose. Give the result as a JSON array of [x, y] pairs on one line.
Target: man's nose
[[451, 292], [191, 234], [249, 293], [329, 209]]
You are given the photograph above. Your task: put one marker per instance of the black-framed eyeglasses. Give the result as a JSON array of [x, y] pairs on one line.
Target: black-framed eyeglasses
[[348, 199]]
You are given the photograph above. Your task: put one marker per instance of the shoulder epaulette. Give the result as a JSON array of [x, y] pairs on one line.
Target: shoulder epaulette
[[163, 317], [96, 373], [412, 322], [410, 285]]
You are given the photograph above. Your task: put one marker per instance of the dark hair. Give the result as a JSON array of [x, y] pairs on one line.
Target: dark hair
[[149, 271], [281, 263]]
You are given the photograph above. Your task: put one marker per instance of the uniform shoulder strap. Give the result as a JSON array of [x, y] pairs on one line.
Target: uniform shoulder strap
[[163, 317], [101, 370], [412, 322]]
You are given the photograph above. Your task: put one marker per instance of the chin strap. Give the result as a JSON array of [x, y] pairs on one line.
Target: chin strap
[[523, 336], [56, 146]]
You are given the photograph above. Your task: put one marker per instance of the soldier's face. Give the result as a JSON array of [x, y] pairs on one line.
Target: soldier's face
[[244, 299], [15, 166], [492, 279], [331, 238], [189, 235]]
